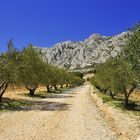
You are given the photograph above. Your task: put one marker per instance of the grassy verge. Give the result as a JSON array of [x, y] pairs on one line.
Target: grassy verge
[[45, 94], [13, 105], [118, 103], [40, 94], [20, 104]]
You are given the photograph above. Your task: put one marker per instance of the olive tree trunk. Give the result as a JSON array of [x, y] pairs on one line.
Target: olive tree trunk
[[61, 85], [127, 94], [3, 87], [31, 89], [112, 95], [55, 87], [48, 88]]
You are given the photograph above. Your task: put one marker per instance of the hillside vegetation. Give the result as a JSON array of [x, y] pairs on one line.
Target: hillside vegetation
[[121, 75], [26, 67]]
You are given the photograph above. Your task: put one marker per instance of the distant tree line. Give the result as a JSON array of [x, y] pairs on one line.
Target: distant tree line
[[122, 73], [26, 67]]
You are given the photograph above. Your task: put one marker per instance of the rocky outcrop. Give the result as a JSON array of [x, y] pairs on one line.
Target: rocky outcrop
[[92, 51]]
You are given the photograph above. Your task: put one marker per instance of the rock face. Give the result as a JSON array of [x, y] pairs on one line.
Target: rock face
[[92, 51]]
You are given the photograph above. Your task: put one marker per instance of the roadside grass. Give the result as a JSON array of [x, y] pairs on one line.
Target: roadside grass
[[12, 104], [118, 103], [45, 94], [63, 89], [40, 94], [59, 90]]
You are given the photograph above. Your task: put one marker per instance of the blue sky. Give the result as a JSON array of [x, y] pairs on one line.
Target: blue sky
[[46, 22]]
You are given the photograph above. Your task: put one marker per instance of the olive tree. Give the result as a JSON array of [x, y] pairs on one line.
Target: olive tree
[[132, 51], [47, 76], [131, 57], [123, 79], [8, 68], [31, 68]]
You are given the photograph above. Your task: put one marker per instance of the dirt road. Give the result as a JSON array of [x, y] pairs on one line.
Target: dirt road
[[68, 116]]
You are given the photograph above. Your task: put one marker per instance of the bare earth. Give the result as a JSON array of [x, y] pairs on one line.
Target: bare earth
[[69, 116], [124, 123]]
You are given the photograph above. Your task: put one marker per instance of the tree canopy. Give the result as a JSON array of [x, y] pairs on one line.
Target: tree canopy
[[122, 73], [26, 67]]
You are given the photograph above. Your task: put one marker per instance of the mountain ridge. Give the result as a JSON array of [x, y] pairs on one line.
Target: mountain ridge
[[92, 51]]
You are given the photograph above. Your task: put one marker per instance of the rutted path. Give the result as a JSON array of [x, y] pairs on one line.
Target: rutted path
[[73, 116]]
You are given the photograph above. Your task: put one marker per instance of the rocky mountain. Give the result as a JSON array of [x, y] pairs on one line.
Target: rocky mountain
[[92, 51]]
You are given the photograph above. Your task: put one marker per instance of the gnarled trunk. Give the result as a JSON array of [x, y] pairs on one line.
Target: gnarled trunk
[[126, 101], [3, 88], [55, 87], [48, 88], [51, 87], [127, 94], [32, 92], [112, 95], [61, 85], [31, 89]]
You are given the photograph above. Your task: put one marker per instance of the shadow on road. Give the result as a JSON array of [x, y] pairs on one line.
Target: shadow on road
[[38, 101], [44, 94], [27, 105]]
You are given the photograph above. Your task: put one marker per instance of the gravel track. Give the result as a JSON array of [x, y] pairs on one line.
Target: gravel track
[[73, 116]]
